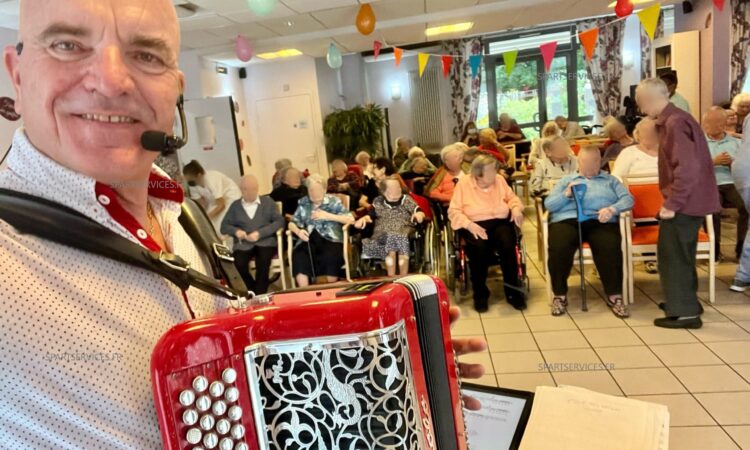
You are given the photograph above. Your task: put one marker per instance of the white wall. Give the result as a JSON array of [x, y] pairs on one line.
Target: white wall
[[631, 48], [380, 76], [7, 128]]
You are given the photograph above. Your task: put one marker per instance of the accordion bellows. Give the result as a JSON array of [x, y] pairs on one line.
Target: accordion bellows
[[352, 367]]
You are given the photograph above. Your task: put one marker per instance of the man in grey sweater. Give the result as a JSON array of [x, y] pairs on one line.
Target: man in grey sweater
[[253, 222]]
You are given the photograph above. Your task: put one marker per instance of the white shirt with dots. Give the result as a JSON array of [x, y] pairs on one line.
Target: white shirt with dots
[[76, 329]]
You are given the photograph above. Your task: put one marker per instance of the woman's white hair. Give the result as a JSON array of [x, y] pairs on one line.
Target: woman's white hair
[[448, 149], [415, 152], [639, 127], [482, 161], [740, 98], [360, 155], [318, 179], [653, 86]]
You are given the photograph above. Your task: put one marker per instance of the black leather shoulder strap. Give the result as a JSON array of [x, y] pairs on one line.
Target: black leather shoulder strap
[[46, 219]]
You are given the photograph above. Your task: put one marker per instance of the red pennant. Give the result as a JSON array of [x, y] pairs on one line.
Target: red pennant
[[376, 46], [447, 63], [398, 53], [719, 5], [548, 53], [588, 40]]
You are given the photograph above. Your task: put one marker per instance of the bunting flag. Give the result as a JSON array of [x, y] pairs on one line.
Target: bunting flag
[[397, 54], [650, 18], [719, 5], [509, 59], [475, 61], [447, 63], [423, 58], [588, 40], [548, 53], [376, 47]]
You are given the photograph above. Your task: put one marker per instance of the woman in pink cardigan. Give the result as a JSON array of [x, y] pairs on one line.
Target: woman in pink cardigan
[[485, 212]]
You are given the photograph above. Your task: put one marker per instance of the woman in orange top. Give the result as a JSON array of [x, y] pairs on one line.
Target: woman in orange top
[[485, 211]]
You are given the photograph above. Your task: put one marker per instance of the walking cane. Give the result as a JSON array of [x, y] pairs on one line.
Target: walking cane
[[312, 263], [579, 191]]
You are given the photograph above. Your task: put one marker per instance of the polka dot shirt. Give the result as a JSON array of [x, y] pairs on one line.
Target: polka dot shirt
[[76, 329]]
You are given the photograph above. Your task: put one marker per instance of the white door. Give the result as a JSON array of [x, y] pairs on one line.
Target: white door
[[286, 130]]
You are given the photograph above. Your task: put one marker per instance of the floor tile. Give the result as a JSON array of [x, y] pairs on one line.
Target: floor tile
[[501, 325], [482, 358], [743, 370], [537, 309], [684, 409], [550, 323], [467, 327], [740, 434], [744, 324], [737, 352], [518, 362], [486, 380], [572, 360], [595, 380], [737, 311], [652, 335], [647, 381], [511, 342], [602, 320], [700, 438], [727, 408], [525, 381], [634, 357], [549, 340], [721, 331], [616, 337], [675, 355], [711, 314], [711, 379]]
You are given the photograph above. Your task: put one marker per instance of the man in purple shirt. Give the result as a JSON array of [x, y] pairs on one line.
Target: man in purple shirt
[[688, 184]]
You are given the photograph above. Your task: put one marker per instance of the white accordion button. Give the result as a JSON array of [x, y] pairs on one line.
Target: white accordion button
[[194, 436], [241, 446], [216, 389], [238, 431], [235, 412], [229, 375], [203, 403], [200, 383], [187, 397], [223, 426], [197, 448], [210, 440], [226, 444], [190, 417], [207, 422], [219, 408], [232, 394]]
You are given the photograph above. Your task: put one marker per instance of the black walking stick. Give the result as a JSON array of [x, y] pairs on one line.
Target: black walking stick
[[579, 191], [312, 262]]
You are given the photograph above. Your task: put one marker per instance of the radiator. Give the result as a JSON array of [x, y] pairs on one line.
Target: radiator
[[425, 108]]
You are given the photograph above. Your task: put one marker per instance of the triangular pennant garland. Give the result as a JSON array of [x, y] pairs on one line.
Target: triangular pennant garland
[[447, 63], [719, 5], [475, 61], [650, 18], [397, 54], [509, 59], [423, 58], [588, 40], [548, 53], [376, 46]]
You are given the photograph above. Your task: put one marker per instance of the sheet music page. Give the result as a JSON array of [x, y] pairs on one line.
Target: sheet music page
[[493, 427], [572, 418]]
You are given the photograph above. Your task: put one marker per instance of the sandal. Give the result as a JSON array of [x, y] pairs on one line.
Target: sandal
[[618, 307], [559, 306]]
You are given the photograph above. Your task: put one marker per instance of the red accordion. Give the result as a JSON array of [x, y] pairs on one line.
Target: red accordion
[[362, 366]]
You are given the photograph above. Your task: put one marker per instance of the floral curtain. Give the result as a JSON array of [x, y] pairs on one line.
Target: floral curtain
[[605, 68], [740, 44], [464, 89], [647, 48]]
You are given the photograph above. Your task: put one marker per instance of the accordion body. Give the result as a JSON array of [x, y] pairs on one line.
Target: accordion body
[[351, 367]]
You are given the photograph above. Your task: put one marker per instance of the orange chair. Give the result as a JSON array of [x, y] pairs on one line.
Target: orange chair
[[642, 241]]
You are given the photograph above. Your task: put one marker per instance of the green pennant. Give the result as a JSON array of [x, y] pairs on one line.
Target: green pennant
[[509, 58]]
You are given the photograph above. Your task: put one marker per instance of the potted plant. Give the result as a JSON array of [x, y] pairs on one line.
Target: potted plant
[[349, 131]]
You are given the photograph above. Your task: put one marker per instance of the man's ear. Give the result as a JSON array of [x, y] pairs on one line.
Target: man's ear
[[11, 58]]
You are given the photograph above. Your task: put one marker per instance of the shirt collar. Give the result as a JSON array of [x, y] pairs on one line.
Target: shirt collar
[[719, 141], [254, 202]]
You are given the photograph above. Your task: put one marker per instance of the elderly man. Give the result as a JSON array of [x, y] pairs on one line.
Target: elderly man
[[90, 77], [253, 222], [724, 148], [688, 184], [507, 129], [570, 130]]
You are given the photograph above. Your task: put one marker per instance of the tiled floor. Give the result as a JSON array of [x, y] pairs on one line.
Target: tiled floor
[[703, 376]]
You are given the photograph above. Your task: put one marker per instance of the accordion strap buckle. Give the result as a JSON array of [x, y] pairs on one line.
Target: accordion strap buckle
[[222, 252], [173, 262]]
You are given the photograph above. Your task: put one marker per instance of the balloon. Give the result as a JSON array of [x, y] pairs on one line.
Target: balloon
[[334, 58], [243, 49], [261, 7], [365, 19], [624, 8]]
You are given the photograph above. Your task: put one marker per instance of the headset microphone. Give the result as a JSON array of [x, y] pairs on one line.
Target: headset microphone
[[158, 141]]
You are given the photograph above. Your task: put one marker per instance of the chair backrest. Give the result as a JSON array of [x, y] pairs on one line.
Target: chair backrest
[[280, 208], [511, 149], [345, 200], [647, 196], [423, 204]]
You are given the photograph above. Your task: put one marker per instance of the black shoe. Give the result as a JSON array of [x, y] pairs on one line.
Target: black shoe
[[481, 306], [517, 304], [675, 322]]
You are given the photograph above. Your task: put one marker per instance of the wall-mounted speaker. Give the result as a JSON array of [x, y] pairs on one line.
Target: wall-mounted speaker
[[243, 73], [687, 6]]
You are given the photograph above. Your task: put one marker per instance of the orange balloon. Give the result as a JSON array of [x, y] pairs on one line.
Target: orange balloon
[[366, 19]]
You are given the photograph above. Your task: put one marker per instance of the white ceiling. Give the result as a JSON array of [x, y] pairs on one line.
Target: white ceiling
[[311, 25]]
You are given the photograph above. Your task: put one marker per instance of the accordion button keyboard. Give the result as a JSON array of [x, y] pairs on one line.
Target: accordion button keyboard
[[187, 397], [216, 389], [229, 375], [219, 408], [231, 395], [207, 422], [241, 446], [203, 403], [210, 440], [194, 436], [223, 426], [200, 384], [235, 413], [190, 417], [238, 431], [226, 444]]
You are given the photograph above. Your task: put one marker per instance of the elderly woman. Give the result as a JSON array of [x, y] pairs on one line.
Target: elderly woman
[[732, 123], [605, 199], [418, 176], [488, 144], [342, 181], [414, 154], [485, 211], [470, 136], [318, 225], [290, 191], [382, 168], [641, 159], [363, 160], [741, 106], [280, 165], [403, 145], [443, 183], [559, 163], [619, 137], [549, 130]]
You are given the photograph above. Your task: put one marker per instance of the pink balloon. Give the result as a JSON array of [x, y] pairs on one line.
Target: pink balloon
[[243, 49]]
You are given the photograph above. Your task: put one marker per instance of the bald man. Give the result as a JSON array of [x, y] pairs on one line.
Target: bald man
[[724, 148], [253, 221]]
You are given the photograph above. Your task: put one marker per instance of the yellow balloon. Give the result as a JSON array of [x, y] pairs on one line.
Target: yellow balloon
[[366, 19]]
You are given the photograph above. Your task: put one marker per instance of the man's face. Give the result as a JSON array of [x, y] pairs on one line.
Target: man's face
[[715, 123], [92, 77], [505, 120], [249, 188]]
